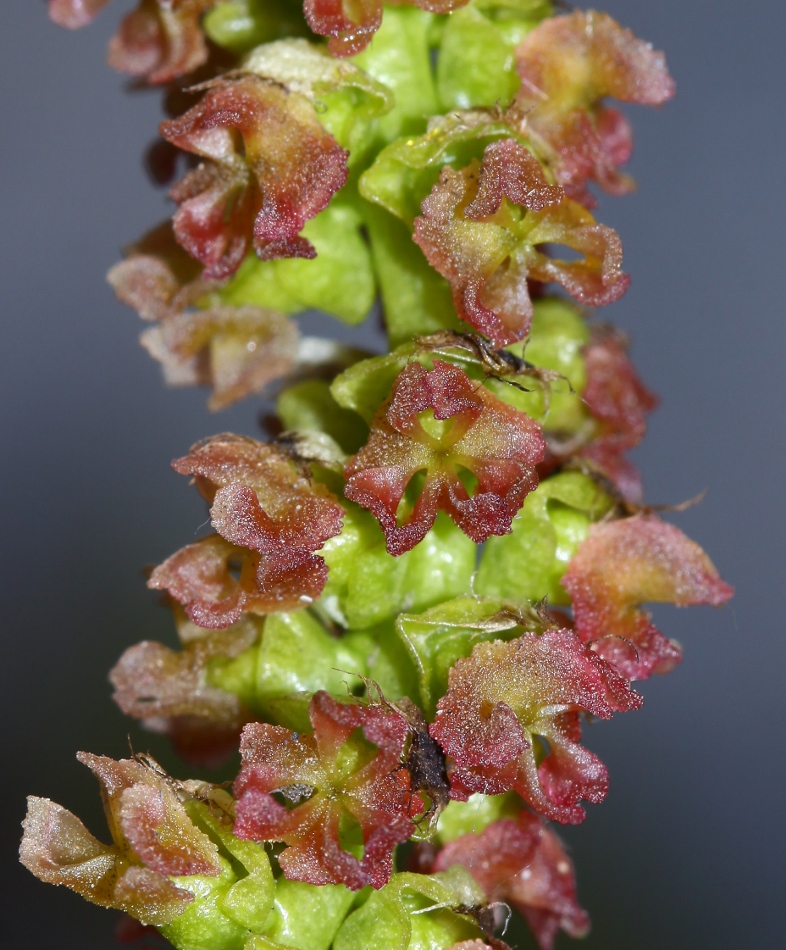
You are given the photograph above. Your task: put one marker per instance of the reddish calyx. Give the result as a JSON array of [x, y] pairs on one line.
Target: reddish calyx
[[567, 66], [270, 521], [347, 772], [442, 423], [624, 564], [506, 698], [483, 228], [262, 192], [522, 863], [153, 839]]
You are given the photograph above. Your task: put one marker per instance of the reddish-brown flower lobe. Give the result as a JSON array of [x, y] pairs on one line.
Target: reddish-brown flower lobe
[[483, 229], [73, 14], [523, 863], [485, 437], [169, 691], [350, 765], [153, 838], [161, 40], [567, 65], [506, 697], [260, 192], [623, 564], [351, 24], [270, 521]]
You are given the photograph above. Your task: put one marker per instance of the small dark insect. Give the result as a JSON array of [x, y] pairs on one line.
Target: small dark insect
[[489, 917], [499, 364], [425, 760]]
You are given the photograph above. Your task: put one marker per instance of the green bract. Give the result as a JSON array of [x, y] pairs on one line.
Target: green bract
[[399, 57], [367, 586], [339, 280], [528, 563], [439, 637], [240, 25], [229, 908], [476, 65], [399, 916], [557, 337], [309, 406], [406, 171]]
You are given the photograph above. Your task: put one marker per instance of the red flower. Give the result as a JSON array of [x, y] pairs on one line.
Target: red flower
[[169, 692], [623, 564], [270, 520], [482, 229], [73, 14], [351, 24], [523, 863], [349, 767], [233, 350], [271, 166], [153, 838], [507, 697], [567, 65], [486, 438]]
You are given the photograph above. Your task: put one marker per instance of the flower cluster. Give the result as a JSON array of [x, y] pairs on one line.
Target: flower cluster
[[415, 595]]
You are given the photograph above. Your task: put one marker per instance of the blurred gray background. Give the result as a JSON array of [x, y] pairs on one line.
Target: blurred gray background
[[688, 851]]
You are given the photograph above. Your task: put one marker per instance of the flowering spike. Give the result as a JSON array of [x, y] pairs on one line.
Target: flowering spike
[[261, 192], [497, 444], [506, 698], [481, 228], [624, 564], [270, 520], [567, 65], [522, 863], [153, 837], [349, 767]]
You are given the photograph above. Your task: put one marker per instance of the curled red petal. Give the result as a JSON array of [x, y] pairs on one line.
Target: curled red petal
[[496, 444], [350, 26], [614, 394], [624, 564], [73, 14], [160, 41], [260, 192], [620, 403], [145, 813], [271, 520], [169, 692], [153, 837], [351, 764], [483, 228], [545, 680], [233, 350], [523, 863], [567, 65]]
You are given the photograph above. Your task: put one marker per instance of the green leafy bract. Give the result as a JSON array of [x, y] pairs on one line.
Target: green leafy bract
[[528, 563]]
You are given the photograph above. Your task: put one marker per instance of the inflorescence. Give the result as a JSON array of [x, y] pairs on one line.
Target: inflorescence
[[413, 596]]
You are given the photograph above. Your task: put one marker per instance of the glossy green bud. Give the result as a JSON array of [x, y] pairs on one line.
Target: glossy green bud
[[476, 65], [528, 563], [339, 280], [414, 912]]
